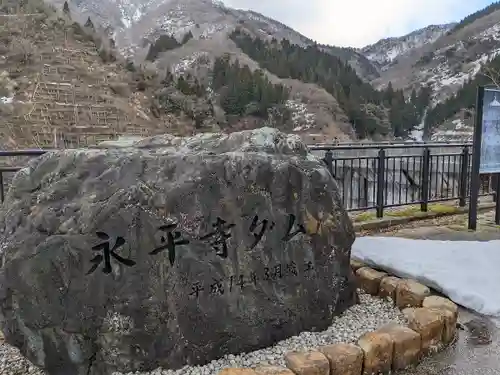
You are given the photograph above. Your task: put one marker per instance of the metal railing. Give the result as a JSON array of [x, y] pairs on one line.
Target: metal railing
[[391, 175], [372, 176]]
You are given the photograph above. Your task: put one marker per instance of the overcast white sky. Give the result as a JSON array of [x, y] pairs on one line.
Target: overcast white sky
[[356, 23]]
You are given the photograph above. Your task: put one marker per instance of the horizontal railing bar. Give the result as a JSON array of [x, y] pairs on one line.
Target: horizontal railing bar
[[361, 208], [388, 146], [23, 152], [10, 169]]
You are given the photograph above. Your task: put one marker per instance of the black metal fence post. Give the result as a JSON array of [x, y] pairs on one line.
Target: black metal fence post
[[329, 161], [464, 176], [2, 189], [497, 197], [380, 183], [426, 168], [476, 160]]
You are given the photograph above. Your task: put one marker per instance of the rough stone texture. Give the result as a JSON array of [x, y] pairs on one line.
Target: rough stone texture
[[428, 323], [356, 264], [450, 324], [377, 348], [369, 279], [273, 370], [410, 293], [307, 363], [69, 320], [237, 371], [345, 359], [407, 345], [449, 311], [387, 288], [436, 302]]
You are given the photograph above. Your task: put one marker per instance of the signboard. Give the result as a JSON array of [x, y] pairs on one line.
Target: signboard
[[490, 132], [485, 149]]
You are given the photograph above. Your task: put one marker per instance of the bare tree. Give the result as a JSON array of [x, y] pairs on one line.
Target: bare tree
[[492, 74]]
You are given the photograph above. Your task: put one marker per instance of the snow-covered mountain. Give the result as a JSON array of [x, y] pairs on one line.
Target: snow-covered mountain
[[135, 24], [442, 57], [452, 56], [385, 51], [448, 59]]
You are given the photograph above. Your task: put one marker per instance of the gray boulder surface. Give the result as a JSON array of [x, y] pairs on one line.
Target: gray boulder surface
[[170, 251]]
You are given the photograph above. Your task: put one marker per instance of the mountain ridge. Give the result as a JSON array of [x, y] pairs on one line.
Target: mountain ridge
[[189, 36]]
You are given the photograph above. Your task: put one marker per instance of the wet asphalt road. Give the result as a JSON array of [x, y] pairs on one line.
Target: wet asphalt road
[[465, 356]]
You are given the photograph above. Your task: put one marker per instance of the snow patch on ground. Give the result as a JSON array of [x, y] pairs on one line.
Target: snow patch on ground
[[465, 271], [302, 119], [189, 62], [387, 50]]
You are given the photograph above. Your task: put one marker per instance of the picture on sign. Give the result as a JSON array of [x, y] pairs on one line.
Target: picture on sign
[[490, 132]]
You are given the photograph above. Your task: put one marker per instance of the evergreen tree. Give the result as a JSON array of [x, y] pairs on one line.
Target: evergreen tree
[[474, 16], [66, 9], [464, 98], [243, 92], [162, 44], [187, 37], [129, 65], [89, 24], [365, 106]]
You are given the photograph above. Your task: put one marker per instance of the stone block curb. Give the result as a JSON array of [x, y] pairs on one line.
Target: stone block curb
[[431, 326]]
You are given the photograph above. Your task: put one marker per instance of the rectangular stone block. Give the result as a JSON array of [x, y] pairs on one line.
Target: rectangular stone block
[[436, 302], [410, 293], [428, 323], [345, 359], [377, 348], [273, 370], [356, 264], [407, 345], [369, 279], [450, 325], [387, 288], [237, 371], [449, 311], [307, 363]]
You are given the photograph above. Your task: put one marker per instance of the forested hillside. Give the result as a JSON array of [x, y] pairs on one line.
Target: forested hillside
[[465, 98], [370, 111], [238, 91], [475, 16]]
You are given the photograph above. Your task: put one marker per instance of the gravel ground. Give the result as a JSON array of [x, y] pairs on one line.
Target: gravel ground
[[370, 314]]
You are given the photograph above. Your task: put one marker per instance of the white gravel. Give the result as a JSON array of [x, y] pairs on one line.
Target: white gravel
[[369, 315]]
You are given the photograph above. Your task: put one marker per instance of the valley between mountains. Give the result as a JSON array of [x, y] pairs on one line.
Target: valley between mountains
[[80, 71]]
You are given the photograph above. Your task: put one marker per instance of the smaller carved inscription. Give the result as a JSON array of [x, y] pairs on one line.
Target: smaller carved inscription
[[196, 289]]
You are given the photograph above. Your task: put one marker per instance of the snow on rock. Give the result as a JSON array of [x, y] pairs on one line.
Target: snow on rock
[[465, 271], [302, 119], [387, 50], [189, 62], [213, 29], [447, 77]]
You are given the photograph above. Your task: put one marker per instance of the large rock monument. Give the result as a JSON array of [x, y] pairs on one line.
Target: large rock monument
[[170, 251]]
